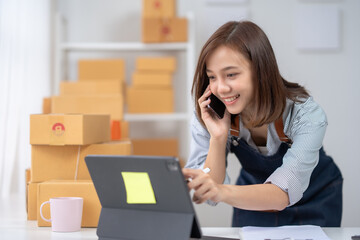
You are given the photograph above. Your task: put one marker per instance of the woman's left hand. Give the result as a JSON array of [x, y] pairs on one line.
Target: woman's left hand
[[205, 187]]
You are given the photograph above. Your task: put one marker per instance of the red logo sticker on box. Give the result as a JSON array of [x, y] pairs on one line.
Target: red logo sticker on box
[[58, 129]]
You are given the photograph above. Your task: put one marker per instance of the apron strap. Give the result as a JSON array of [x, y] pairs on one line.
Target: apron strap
[[279, 126], [235, 128]]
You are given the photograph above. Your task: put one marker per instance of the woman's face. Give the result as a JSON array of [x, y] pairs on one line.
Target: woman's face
[[230, 79]]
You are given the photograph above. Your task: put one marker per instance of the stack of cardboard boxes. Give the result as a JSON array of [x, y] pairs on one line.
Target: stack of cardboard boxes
[[60, 143], [160, 24], [99, 90], [152, 92], [88, 113], [79, 122]]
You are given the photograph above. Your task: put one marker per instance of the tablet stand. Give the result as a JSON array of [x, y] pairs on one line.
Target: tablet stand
[[115, 224]]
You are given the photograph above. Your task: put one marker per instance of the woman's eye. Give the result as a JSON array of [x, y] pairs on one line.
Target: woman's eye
[[231, 75], [211, 77]]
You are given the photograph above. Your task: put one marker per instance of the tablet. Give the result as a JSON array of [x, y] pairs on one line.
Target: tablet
[[170, 213], [143, 197]]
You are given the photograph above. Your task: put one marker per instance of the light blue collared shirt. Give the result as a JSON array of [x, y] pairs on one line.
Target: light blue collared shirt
[[304, 123]]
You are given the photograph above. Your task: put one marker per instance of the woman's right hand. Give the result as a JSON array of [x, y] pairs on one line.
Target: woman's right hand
[[218, 128]]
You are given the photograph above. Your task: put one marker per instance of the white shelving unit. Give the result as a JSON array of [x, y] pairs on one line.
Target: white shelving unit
[[62, 48]]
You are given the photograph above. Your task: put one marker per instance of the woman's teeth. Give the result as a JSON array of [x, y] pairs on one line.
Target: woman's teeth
[[232, 98]]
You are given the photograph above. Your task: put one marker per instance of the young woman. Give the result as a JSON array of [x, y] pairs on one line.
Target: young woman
[[273, 127]]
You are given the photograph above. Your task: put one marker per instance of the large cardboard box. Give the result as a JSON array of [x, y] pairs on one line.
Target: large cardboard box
[[84, 189], [156, 147], [145, 100], [100, 69], [159, 8], [68, 162], [91, 87], [158, 64], [157, 30], [152, 79], [31, 201], [69, 129], [96, 104]]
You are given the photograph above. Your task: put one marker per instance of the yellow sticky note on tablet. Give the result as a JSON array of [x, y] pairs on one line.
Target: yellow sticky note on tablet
[[138, 188]]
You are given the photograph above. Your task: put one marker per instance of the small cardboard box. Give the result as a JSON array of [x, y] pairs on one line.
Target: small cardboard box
[[159, 8], [156, 147], [68, 162], [142, 100], [100, 69], [46, 105], [91, 87], [84, 189], [95, 104], [32, 201], [158, 64], [152, 79], [27, 175], [119, 130], [157, 30], [69, 129]]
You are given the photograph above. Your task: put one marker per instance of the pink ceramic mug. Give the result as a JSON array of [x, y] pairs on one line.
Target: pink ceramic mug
[[65, 212]]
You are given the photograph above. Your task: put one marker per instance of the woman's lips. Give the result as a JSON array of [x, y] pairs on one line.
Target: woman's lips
[[231, 100]]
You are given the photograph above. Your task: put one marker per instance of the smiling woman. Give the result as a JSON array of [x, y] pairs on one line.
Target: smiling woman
[[275, 129]]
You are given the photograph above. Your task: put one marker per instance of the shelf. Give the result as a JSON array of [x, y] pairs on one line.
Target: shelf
[[187, 50], [123, 46], [132, 117]]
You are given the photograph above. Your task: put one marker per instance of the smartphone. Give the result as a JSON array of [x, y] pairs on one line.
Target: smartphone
[[217, 106]]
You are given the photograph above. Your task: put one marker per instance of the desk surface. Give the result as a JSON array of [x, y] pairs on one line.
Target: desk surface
[[13, 225]]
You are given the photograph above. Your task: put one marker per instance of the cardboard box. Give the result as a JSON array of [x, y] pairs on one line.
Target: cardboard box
[[124, 125], [84, 189], [119, 130], [157, 30], [159, 8], [46, 106], [96, 104], [92, 87], [69, 129], [152, 79], [27, 175], [156, 147], [158, 64], [67, 162], [100, 69], [32, 201], [141, 100], [27, 180]]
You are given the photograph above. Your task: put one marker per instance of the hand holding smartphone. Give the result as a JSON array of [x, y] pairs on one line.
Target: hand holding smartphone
[[217, 106]]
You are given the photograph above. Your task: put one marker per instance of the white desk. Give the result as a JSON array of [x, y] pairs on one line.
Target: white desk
[[13, 225]]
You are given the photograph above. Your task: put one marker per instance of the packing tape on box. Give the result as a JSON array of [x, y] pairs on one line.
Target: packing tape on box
[[57, 133], [166, 29], [77, 163]]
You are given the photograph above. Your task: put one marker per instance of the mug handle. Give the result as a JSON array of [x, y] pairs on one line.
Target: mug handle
[[48, 220]]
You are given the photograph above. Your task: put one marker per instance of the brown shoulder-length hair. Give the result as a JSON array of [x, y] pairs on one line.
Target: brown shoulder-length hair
[[271, 89]]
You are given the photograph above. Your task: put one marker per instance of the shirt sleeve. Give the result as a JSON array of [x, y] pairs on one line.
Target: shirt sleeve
[[306, 126], [199, 147]]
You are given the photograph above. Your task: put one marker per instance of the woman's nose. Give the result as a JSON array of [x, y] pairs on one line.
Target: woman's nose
[[223, 87]]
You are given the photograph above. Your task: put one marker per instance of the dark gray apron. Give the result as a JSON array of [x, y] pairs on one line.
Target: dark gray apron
[[320, 205]]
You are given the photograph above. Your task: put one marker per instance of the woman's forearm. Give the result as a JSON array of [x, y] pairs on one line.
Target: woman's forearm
[[257, 197], [216, 159]]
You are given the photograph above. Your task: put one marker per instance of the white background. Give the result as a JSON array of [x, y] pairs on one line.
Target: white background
[[331, 76]]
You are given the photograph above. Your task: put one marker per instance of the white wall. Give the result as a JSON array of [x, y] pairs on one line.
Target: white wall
[[333, 77]]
